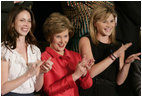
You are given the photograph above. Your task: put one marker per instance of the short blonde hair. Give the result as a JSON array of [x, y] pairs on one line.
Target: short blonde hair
[[101, 12], [56, 23]]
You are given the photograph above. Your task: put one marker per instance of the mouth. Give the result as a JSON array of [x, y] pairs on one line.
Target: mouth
[[61, 45], [107, 29], [25, 29]]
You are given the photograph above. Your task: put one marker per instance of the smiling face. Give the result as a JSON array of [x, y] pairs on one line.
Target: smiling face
[[105, 27], [59, 41], [22, 23]]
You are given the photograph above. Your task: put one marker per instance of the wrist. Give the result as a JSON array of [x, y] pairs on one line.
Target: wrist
[[75, 77]]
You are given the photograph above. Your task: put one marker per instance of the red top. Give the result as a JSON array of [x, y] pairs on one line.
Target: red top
[[58, 81]]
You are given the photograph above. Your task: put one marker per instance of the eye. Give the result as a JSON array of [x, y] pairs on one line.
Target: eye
[[66, 36], [104, 21], [22, 20], [29, 20], [57, 36], [112, 21]]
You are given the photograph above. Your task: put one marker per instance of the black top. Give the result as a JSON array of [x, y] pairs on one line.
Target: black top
[[105, 82]]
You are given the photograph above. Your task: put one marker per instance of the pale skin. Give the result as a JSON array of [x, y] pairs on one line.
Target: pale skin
[[59, 43], [105, 28], [22, 25]]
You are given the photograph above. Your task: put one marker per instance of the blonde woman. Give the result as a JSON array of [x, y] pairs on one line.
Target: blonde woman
[[110, 68]]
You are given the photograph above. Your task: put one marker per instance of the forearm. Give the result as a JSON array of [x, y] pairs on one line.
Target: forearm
[[122, 75], [39, 82], [11, 85], [100, 67]]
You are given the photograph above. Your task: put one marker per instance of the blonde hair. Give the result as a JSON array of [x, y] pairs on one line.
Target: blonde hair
[[101, 12], [56, 23]]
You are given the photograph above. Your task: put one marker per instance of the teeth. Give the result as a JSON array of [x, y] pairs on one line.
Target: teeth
[[25, 29]]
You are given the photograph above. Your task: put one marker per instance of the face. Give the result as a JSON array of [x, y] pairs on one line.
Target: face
[[60, 41], [22, 23], [105, 27]]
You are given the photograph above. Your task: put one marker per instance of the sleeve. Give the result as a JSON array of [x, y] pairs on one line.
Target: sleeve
[[59, 86], [86, 82], [5, 53], [38, 52]]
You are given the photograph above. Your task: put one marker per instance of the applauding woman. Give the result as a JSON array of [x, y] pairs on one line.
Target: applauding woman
[[110, 68], [69, 69], [21, 70]]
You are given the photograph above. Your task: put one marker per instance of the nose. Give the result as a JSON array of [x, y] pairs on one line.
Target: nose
[[61, 40], [108, 24], [27, 23]]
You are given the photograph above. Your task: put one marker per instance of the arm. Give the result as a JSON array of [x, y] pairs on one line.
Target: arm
[[44, 67], [58, 86], [86, 82], [123, 72], [85, 49], [7, 86]]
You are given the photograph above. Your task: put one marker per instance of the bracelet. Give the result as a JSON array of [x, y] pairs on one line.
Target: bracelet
[[113, 56]]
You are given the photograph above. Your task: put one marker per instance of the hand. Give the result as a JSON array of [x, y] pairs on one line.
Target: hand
[[88, 65], [46, 66], [82, 68], [132, 57], [122, 49], [32, 69]]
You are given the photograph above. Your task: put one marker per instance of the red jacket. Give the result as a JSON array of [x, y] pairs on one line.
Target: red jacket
[[58, 81]]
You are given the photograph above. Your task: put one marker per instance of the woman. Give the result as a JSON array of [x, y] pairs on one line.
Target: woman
[[21, 68], [69, 70], [109, 68]]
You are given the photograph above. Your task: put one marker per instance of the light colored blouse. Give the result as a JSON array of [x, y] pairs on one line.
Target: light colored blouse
[[18, 66]]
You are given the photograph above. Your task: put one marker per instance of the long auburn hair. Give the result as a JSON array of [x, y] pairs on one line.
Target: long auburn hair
[[11, 34], [101, 12]]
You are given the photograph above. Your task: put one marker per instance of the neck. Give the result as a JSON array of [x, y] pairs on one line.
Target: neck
[[103, 39], [20, 42]]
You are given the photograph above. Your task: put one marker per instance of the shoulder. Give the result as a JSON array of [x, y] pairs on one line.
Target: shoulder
[[4, 49], [5, 52], [72, 53], [45, 55], [84, 40], [35, 48]]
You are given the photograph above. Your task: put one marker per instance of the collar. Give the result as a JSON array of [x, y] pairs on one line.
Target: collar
[[54, 54]]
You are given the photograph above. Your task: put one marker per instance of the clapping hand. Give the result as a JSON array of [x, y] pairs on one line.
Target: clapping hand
[[132, 57], [46, 66]]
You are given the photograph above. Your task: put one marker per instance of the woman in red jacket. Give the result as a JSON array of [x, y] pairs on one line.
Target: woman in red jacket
[[69, 69]]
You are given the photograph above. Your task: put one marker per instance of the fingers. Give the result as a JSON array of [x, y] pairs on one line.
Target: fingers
[[47, 65], [132, 58], [137, 54], [87, 63], [126, 46]]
